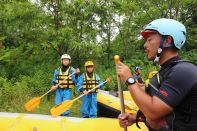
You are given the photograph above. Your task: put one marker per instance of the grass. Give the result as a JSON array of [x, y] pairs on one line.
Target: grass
[[43, 108]]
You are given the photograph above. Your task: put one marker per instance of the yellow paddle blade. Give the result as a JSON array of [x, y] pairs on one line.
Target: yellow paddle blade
[[61, 108], [30, 105]]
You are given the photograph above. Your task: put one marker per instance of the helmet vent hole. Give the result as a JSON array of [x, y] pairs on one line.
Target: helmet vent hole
[[184, 33]]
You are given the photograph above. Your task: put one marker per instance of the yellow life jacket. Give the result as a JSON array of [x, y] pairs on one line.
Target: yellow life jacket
[[150, 75], [68, 83], [89, 83]]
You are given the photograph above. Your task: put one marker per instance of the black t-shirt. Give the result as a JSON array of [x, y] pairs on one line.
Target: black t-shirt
[[178, 89], [180, 81]]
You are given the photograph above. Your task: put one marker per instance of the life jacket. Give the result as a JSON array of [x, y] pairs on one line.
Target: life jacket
[[68, 83], [89, 83], [182, 112]]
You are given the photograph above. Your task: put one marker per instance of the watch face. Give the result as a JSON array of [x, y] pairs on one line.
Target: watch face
[[131, 80]]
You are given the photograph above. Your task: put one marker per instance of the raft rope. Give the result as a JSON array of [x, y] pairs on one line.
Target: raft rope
[[63, 120]]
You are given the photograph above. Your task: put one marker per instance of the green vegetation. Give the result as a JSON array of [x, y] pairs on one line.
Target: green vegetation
[[34, 35]]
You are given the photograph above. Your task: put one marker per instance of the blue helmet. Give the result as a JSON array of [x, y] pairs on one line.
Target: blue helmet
[[169, 27]]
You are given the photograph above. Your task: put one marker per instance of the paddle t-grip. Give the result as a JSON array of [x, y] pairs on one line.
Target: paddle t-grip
[[116, 59]]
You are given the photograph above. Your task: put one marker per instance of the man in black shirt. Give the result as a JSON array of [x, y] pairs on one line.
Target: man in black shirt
[[170, 100]]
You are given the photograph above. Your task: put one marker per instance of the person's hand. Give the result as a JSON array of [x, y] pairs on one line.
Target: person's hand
[[140, 80], [77, 71], [85, 92], [141, 84], [123, 71], [108, 79], [126, 119], [53, 88]]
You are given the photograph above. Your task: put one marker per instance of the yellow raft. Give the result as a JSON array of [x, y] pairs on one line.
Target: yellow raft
[[35, 122], [109, 105]]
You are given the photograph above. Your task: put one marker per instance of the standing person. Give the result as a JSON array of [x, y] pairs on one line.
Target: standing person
[[64, 90], [137, 74], [170, 103], [87, 81]]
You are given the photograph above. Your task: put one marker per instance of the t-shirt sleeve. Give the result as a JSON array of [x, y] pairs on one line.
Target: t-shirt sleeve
[[175, 87]]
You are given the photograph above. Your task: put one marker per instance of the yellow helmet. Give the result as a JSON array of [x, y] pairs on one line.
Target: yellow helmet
[[151, 74], [88, 63]]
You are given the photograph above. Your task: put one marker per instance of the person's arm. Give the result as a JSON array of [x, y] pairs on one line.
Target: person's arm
[[54, 80], [75, 76], [80, 83], [54, 77], [152, 107]]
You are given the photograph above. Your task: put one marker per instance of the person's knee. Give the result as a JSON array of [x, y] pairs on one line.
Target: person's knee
[[58, 101]]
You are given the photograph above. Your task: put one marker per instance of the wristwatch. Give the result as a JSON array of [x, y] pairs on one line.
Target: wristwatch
[[130, 81]]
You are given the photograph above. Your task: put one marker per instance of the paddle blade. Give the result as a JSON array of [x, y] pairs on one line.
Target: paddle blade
[[61, 108], [30, 105]]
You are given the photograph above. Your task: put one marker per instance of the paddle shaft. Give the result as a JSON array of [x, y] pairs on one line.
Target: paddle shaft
[[117, 60], [88, 91], [57, 84], [121, 97], [153, 87]]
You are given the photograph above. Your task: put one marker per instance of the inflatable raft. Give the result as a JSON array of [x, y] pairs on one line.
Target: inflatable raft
[[35, 122], [109, 105]]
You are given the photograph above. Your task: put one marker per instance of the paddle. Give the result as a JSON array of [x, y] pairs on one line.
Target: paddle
[[30, 105], [65, 105], [117, 61]]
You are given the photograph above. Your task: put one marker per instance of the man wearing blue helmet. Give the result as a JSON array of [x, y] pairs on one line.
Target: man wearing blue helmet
[[170, 100]]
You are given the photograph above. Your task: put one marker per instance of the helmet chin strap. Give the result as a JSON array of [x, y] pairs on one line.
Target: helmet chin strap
[[156, 60], [159, 51]]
